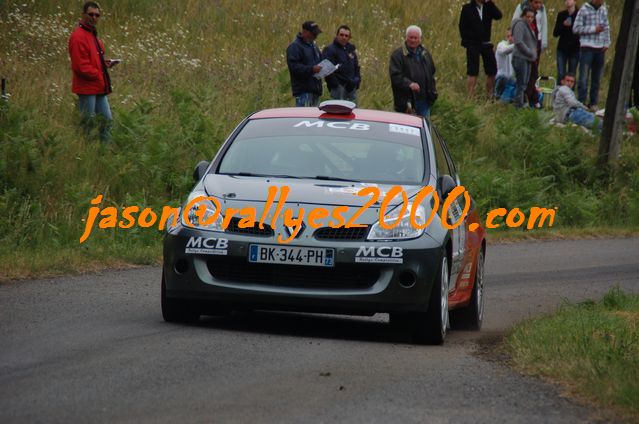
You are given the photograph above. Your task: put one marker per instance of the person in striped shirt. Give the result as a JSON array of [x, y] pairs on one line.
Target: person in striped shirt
[[593, 28]]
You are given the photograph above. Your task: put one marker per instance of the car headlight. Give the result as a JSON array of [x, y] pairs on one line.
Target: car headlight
[[404, 230], [202, 213]]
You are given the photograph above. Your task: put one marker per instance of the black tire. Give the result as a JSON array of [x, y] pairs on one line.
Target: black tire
[[177, 310], [471, 317], [429, 327]]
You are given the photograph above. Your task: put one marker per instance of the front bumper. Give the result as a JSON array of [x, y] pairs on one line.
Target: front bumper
[[225, 276]]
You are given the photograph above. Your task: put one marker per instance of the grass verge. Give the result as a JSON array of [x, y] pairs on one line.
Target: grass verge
[[591, 348], [46, 263]]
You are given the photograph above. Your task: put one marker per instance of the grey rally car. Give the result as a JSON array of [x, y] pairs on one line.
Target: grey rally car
[[331, 210]]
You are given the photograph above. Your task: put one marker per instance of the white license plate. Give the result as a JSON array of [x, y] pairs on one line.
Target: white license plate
[[291, 255]]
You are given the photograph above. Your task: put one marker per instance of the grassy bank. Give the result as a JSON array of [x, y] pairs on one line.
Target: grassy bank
[[591, 349], [192, 70]]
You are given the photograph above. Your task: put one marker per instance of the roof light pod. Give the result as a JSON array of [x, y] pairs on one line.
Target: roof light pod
[[337, 107]]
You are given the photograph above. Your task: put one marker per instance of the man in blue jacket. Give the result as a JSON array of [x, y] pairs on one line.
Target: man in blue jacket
[[475, 26], [303, 57], [343, 83]]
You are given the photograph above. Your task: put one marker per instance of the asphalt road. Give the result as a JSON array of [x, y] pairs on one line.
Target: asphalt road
[[95, 349]]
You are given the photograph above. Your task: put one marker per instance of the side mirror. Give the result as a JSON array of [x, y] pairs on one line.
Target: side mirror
[[200, 169], [445, 184]]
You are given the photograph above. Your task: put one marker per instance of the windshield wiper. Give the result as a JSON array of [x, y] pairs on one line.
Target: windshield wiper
[[317, 177], [327, 178], [251, 174]]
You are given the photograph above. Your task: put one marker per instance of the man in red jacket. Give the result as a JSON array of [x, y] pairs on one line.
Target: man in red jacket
[[91, 80]]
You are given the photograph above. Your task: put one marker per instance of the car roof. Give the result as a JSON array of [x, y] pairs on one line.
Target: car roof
[[359, 114]]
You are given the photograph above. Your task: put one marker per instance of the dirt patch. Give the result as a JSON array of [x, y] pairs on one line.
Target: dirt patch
[[632, 317], [491, 347]]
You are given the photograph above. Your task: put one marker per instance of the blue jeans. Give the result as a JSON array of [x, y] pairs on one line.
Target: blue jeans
[[91, 105], [340, 93], [566, 63], [584, 118], [422, 108], [522, 75], [306, 99], [591, 63], [505, 88]]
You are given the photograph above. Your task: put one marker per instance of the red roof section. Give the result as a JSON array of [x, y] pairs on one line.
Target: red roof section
[[359, 114]]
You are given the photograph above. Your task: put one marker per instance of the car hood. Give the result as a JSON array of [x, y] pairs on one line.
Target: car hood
[[255, 189]]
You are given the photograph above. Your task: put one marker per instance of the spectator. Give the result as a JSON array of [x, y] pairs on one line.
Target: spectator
[[591, 24], [412, 74], [568, 109], [524, 53], [303, 57], [634, 100], [343, 83], [539, 26], [568, 45], [91, 81], [475, 27], [505, 84], [541, 19]]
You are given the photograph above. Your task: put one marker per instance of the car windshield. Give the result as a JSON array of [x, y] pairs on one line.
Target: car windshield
[[346, 150]]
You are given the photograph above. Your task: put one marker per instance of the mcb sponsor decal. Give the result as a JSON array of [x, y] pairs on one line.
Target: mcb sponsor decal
[[380, 255], [207, 246]]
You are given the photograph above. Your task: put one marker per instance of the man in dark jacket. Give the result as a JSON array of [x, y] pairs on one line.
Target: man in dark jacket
[[343, 83], [412, 74], [568, 45], [303, 57], [634, 99], [91, 80], [475, 26]]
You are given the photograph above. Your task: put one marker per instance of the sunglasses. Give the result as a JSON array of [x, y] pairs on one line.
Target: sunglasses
[[93, 15]]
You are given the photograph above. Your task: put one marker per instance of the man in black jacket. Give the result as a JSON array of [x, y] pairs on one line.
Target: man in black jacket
[[303, 57], [475, 26], [412, 74], [568, 45], [344, 82]]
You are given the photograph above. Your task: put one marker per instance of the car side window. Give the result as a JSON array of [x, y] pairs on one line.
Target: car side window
[[449, 159], [443, 167]]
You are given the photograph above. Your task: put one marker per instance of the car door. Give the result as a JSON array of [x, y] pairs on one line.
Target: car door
[[445, 166]]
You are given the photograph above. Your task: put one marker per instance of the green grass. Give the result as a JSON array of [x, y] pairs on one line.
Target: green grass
[[192, 70], [591, 348]]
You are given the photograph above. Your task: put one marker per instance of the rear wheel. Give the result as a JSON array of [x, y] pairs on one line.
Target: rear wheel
[[470, 317], [177, 310]]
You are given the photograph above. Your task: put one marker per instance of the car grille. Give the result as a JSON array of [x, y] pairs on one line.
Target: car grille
[[343, 234], [339, 277], [255, 230]]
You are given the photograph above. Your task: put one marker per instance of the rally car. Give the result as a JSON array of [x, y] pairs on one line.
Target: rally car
[[332, 210]]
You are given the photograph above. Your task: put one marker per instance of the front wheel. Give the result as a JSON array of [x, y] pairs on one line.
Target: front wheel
[[430, 327], [434, 329]]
